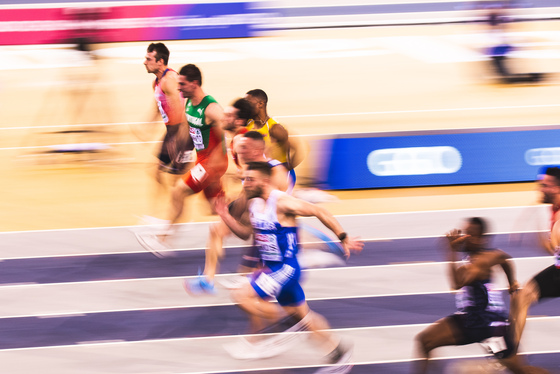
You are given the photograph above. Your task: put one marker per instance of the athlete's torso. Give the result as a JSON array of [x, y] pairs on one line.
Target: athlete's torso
[[274, 151], [169, 116], [277, 244], [482, 301], [204, 136]]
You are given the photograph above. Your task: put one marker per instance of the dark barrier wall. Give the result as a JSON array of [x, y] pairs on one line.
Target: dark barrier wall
[[434, 159]]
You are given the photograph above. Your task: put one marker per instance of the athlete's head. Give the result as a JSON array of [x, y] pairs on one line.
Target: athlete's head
[[250, 147], [157, 57], [258, 98], [190, 78], [550, 185], [237, 114], [476, 229], [257, 178]]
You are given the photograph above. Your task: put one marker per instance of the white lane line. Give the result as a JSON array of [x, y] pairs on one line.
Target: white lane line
[[309, 115], [229, 303], [338, 216], [220, 337], [55, 146], [79, 125], [306, 243], [225, 303], [421, 111]]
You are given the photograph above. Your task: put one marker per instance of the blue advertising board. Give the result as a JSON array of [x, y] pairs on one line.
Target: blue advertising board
[[440, 159]]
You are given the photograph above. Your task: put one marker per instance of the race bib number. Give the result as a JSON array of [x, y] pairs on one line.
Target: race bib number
[[198, 173], [196, 136], [184, 157], [495, 344], [268, 246], [495, 300], [162, 112], [463, 299]]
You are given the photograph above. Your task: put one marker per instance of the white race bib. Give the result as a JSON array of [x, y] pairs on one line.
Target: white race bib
[[163, 114], [196, 136]]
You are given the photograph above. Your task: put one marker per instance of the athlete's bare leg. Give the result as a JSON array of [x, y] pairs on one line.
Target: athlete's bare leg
[[215, 249], [261, 311], [439, 334], [164, 182], [519, 308], [178, 195]]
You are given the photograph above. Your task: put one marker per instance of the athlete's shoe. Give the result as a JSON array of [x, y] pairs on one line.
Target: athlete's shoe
[[339, 360], [199, 286], [151, 243]]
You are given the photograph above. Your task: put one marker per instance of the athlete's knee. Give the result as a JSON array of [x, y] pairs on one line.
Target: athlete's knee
[[528, 295], [425, 342], [219, 230], [181, 190], [244, 296]]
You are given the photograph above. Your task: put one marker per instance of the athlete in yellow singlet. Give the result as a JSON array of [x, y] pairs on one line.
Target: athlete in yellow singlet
[[274, 134]]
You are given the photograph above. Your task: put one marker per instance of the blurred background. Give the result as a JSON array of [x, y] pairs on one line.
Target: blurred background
[[411, 114], [346, 79]]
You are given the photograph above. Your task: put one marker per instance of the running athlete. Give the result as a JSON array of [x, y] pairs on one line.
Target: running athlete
[[271, 219], [204, 118], [279, 146], [251, 148], [545, 284], [481, 316], [235, 124], [173, 157]]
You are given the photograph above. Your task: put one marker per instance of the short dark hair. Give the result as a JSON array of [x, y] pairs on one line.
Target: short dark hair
[[244, 109], [260, 166], [162, 53], [255, 135], [554, 171], [192, 73], [481, 223], [259, 94]]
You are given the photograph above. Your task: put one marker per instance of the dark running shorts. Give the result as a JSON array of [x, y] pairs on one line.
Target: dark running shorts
[[549, 282], [497, 339]]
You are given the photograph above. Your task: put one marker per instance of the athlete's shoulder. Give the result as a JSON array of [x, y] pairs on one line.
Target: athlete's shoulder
[[209, 99]]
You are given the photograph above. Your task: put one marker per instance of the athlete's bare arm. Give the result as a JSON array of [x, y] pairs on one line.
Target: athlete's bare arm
[[479, 268], [289, 207], [463, 274], [170, 87], [280, 135], [240, 227], [279, 178]]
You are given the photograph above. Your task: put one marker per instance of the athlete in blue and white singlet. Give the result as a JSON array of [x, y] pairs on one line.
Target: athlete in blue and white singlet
[[271, 219], [278, 246]]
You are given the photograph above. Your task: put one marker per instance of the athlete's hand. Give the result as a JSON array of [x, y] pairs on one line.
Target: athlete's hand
[[220, 206], [455, 239], [352, 245], [513, 288]]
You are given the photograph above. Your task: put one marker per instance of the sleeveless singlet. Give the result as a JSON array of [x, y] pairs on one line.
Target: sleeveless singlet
[[481, 302], [277, 244], [169, 118], [204, 136], [275, 151]]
